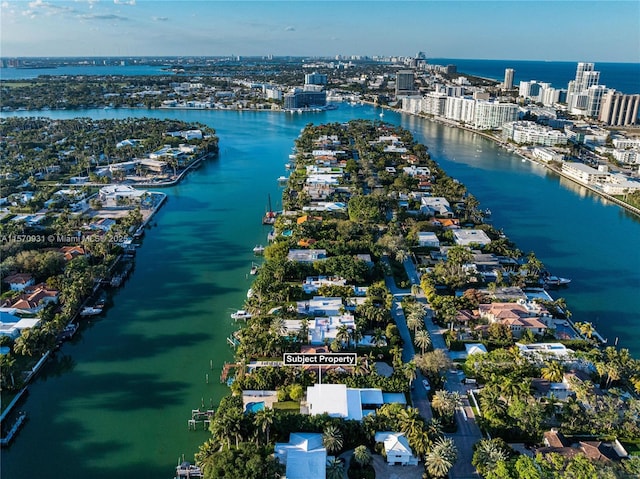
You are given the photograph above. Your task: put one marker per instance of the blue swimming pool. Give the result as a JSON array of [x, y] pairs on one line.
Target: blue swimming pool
[[254, 406]]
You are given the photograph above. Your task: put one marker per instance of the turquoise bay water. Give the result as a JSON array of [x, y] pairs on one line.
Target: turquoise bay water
[[116, 401]]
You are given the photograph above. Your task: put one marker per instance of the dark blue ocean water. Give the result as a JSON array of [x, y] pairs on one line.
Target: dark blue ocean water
[[624, 77]]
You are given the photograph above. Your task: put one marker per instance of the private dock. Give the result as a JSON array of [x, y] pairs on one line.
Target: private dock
[[226, 369], [200, 417], [14, 429]]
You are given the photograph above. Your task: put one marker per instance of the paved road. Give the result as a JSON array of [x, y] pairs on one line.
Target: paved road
[[468, 432]]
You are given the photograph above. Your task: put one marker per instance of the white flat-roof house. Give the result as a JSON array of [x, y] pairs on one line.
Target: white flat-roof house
[[111, 194], [468, 237], [307, 255], [337, 400], [436, 205], [428, 239], [12, 326], [304, 456]]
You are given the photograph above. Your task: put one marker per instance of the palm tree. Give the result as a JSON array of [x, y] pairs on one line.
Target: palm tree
[[356, 334], [303, 333], [487, 454], [342, 334], [362, 367], [264, 420], [362, 456], [332, 439], [335, 469], [423, 340], [586, 329], [413, 322], [378, 337], [410, 422], [441, 458], [205, 456], [409, 371], [445, 402], [552, 371]]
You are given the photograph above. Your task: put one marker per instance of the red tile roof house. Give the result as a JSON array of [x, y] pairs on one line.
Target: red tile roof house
[[518, 316], [34, 300], [595, 450], [71, 252], [19, 281]]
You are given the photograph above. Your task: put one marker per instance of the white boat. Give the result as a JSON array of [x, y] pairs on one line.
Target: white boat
[[90, 311], [254, 269], [556, 281], [282, 179], [187, 470], [241, 314], [258, 249]]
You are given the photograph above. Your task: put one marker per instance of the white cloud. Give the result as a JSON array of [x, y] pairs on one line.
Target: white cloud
[[290, 29], [124, 2], [93, 16], [160, 19], [39, 6]]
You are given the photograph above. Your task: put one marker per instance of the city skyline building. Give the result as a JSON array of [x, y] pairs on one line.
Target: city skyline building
[[405, 82], [618, 109], [508, 78]]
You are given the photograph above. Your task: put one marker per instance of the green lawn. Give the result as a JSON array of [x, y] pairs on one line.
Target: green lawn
[[287, 405]]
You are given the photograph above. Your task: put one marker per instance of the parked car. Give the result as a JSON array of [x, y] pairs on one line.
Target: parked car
[[427, 386]]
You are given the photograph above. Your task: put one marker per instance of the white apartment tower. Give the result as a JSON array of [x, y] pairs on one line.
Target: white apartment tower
[[618, 109], [578, 98], [508, 79]]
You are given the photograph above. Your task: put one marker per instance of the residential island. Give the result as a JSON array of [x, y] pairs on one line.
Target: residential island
[[464, 360], [72, 210]]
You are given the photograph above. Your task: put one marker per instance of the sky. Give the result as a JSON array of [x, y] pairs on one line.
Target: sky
[[601, 31]]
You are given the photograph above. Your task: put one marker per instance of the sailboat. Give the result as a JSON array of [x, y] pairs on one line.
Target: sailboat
[[269, 217]]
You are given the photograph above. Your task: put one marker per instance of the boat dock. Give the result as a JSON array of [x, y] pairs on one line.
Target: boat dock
[[22, 417], [200, 417], [226, 369]]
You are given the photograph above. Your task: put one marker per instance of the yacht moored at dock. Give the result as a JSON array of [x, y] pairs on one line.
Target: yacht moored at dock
[[241, 314], [90, 311]]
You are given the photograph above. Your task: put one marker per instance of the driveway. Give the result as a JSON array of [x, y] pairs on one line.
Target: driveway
[[385, 471]]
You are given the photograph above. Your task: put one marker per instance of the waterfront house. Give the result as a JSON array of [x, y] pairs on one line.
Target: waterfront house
[[467, 237], [396, 448], [436, 206], [307, 255], [12, 325], [33, 301], [103, 224], [304, 456], [520, 316]]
